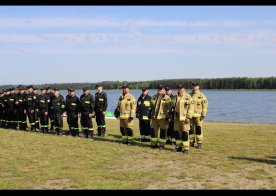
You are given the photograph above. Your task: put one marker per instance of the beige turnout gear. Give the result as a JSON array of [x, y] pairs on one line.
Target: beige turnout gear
[[200, 111]]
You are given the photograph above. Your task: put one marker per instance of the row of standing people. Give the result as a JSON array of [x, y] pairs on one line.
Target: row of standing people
[[48, 106], [164, 118]]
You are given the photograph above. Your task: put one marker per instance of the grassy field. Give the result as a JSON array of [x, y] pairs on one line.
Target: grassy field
[[234, 156]]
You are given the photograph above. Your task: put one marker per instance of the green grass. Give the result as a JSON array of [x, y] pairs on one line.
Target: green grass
[[234, 156]]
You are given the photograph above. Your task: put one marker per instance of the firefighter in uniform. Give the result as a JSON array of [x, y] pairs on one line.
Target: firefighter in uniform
[[200, 111], [36, 114], [72, 111], [43, 109], [2, 108], [51, 115], [58, 108], [127, 109], [170, 131], [100, 110], [21, 110], [30, 104], [4, 103], [160, 108], [184, 109], [143, 114], [11, 109], [87, 112]]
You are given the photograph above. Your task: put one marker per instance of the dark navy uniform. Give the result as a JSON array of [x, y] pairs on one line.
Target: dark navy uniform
[[57, 109], [87, 109], [100, 107], [143, 114], [43, 108], [2, 109], [72, 110], [21, 111], [51, 115], [30, 104], [11, 110]]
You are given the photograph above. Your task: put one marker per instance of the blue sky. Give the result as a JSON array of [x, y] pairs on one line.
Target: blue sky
[[49, 44]]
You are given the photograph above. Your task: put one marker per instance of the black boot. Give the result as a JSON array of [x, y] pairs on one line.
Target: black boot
[[36, 126], [103, 131], [57, 131], [86, 134], [177, 149], [199, 145], [185, 151], [46, 130], [99, 132], [52, 126]]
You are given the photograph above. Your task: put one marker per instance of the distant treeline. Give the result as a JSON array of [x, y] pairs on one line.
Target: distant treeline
[[213, 83]]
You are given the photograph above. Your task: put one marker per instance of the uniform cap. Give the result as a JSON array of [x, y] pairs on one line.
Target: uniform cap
[[85, 88], [168, 88], [71, 89], [20, 87], [160, 87], [125, 86], [144, 88], [195, 84], [48, 88], [30, 86], [180, 86], [12, 89], [5, 90], [98, 85], [56, 89]]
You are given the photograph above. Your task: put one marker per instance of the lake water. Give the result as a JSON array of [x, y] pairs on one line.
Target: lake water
[[224, 106]]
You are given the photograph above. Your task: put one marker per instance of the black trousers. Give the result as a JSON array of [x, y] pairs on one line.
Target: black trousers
[[44, 121], [1, 117], [170, 132], [58, 121], [12, 119], [31, 117], [86, 122], [36, 118], [145, 130], [72, 120], [52, 119], [100, 119], [21, 119]]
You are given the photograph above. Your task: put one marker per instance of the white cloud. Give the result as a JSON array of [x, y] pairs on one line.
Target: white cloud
[[238, 39], [81, 22]]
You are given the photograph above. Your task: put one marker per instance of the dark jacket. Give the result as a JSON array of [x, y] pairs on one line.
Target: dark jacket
[[101, 102], [42, 103], [143, 107], [87, 104], [72, 104], [57, 104], [10, 102], [21, 101], [30, 101]]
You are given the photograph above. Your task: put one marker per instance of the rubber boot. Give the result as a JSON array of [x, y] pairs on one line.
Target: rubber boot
[[99, 132], [57, 131], [103, 131]]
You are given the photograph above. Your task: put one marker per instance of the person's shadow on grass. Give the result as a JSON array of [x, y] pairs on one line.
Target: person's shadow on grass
[[270, 159]]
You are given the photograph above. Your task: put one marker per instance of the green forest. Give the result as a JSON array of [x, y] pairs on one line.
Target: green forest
[[212, 83]]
